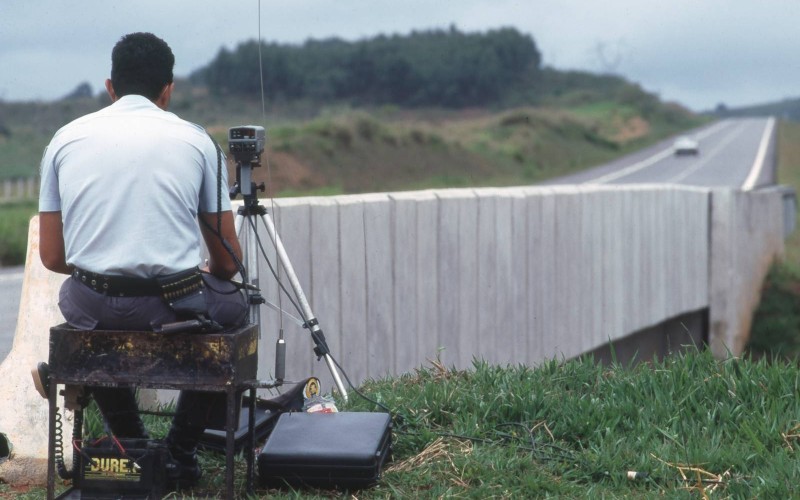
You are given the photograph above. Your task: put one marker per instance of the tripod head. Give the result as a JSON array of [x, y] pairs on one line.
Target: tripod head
[[246, 143]]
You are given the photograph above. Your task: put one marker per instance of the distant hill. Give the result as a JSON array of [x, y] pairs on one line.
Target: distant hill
[[787, 109]]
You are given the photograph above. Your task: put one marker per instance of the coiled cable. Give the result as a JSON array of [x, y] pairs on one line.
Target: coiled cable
[[58, 445]]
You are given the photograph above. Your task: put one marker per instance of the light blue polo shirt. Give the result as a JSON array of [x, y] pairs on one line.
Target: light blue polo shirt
[[129, 181]]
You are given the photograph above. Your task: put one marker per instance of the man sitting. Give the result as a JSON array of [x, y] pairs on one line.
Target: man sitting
[[122, 190]]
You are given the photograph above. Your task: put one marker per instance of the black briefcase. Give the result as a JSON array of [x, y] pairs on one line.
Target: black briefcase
[[344, 450]]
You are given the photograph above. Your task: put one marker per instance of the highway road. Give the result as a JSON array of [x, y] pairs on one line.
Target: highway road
[[732, 153], [10, 288]]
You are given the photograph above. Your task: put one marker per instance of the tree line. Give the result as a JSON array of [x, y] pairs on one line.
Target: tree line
[[439, 67]]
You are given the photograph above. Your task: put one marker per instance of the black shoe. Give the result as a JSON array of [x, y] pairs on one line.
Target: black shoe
[[41, 379], [183, 471]]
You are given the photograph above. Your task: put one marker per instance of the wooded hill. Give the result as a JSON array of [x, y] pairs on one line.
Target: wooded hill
[[431, 68], [439, 68]]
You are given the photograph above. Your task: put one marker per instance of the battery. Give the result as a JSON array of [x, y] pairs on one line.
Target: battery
[[123, 469]]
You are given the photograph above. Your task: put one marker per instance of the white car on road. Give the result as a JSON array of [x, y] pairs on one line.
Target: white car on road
[[686, 145]]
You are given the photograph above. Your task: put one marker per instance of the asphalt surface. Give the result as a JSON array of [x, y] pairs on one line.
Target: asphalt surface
[[10, 289], [729, 152]]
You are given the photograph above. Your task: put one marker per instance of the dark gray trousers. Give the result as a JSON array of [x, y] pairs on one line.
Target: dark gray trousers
[[86, 309]]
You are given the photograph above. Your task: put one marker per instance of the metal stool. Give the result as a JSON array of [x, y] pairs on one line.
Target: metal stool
[[215, 362]]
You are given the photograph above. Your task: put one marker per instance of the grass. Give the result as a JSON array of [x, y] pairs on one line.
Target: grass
[[14, 219], [363, 153], [690, 426], [20, 157], [574, 429]]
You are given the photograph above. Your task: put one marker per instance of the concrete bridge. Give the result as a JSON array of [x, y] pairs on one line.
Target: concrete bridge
[[512, 276], [521, 275]]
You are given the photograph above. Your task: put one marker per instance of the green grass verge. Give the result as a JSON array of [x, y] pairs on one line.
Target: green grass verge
[[692, 426], [574, 429]]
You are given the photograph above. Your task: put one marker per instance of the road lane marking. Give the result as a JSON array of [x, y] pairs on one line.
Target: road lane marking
[[707, 157], [653, 159], [758, 164], [633, 168]]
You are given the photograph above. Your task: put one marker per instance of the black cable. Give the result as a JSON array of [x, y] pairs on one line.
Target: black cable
[[227, 247], [219, 183], [219, 186], [400, 418], [58, 449], [363, 396], [237, 287], [274, 272], [562, 454], [218, 232]]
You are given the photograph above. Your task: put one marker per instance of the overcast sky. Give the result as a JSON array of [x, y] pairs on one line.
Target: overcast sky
[[696, 52]]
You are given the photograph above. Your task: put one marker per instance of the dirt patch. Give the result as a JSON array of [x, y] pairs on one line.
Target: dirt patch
[[289, 172], [24, 471], [378, 159], [282, 171], [631, 129]]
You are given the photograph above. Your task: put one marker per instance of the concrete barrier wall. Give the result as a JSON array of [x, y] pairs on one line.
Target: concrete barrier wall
[[23, 417], [512, 275]]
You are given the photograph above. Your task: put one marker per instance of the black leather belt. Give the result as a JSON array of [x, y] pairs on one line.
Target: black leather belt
[[117, 286]]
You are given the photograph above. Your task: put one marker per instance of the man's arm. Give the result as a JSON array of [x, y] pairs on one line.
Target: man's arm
[[51, 242], [220, 261]]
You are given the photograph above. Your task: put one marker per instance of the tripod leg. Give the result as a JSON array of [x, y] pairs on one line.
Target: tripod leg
[[248, 243], [311, 321]]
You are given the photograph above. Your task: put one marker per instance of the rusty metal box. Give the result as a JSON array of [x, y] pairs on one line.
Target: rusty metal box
[[206, 361]]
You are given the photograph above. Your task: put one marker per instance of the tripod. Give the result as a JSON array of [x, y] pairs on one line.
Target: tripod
[[250, 211]]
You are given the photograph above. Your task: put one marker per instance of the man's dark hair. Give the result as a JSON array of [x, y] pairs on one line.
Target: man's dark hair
[[141, 63]]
